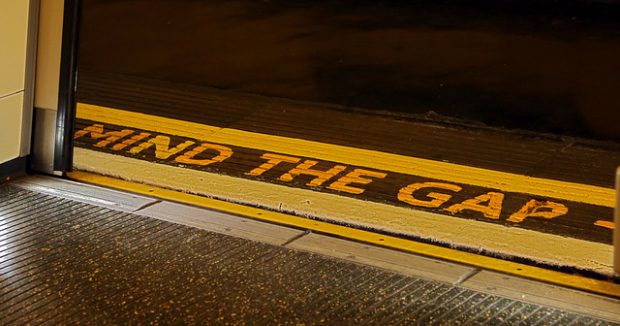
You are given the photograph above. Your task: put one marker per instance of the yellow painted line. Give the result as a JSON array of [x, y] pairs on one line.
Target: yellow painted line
[[504, 181], [605, 224], [531, 272], [464, 233]]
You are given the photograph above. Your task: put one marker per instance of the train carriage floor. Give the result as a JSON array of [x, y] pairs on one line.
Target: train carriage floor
[[77, 253]]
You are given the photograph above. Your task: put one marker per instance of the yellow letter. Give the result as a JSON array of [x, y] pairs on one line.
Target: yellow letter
[[130, 141], [273, 160], [406, 194], [533, 209], [162, 147], [96, 132], [492, 210], [224, 153], [355, 177], [321, 176], [605, 224]]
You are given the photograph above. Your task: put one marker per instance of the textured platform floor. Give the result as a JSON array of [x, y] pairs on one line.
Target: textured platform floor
[[63, 261]]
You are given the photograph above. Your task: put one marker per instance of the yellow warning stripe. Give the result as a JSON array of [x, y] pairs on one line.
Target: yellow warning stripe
[[504, 181], [462, 232], [532, 272]]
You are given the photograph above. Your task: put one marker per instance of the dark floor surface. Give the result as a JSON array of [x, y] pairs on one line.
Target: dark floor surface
[[72, 263], [544, 156], [547, 66]]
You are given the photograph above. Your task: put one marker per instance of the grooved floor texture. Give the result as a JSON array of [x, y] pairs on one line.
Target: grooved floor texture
[[68, 262]]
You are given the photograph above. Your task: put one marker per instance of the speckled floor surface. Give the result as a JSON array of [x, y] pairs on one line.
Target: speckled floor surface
[[66, 262]]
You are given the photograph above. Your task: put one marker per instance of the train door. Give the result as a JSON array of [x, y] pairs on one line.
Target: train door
[[54, 88], [37, 68]]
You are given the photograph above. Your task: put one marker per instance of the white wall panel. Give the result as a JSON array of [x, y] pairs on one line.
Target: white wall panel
[[13, 44], [10, 126]]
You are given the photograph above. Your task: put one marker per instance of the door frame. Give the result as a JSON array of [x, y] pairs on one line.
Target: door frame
[[63, 145], [55, 87]]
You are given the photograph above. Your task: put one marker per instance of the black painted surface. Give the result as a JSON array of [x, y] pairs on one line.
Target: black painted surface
[[65, 262], [549, 66], [577, 223], [557, 158], [67, 84]]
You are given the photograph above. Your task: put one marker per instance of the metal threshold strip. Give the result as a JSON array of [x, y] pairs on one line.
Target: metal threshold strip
[[355, 234]]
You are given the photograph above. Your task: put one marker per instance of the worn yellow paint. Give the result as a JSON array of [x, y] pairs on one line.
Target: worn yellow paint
[[532, 272], [535, 208], [406, 194], [272, 161], [305, 168], [489, 204], [605, 224], [162, 147], [355, 177], [355, 156], [188, 158], [447, 229]]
